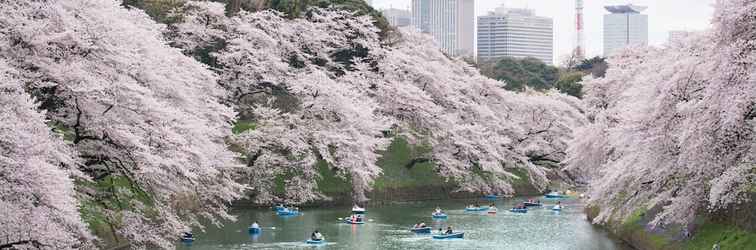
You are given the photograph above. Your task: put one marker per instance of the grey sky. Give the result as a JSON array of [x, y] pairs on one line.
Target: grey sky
[[664, 16]]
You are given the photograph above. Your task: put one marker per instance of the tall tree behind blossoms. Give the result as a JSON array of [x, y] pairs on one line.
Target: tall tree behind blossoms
[[341, 91], [38, 208], [673, 127], [145, 119]]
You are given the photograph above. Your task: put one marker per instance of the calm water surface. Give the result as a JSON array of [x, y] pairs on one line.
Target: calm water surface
[[388, 227]]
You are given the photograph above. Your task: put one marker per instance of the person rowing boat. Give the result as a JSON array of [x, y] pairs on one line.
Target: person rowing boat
[[317, 236]]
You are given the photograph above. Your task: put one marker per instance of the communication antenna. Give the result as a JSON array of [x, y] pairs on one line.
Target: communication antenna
[[579, 29]]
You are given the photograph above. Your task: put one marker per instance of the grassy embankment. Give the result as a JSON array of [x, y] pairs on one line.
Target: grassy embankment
[[707, 233], [403, 180]]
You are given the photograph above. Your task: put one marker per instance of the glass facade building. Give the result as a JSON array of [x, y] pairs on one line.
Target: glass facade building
[[515, 33]]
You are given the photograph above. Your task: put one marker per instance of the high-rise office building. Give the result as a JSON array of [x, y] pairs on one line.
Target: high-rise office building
[[625, 25], [421, 15], [398, 17], [515, 33], [450, 22]]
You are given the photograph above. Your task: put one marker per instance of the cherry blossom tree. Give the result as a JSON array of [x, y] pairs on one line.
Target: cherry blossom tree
[[145, 120], [38, 208], [673, 127], [341, 91]]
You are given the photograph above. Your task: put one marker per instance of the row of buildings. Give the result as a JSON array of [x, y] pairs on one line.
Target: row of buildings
[[509, 32]]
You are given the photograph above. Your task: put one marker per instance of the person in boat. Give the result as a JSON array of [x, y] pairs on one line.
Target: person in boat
[[438, 210], [417, 225], [440, 230], [316, 235], [359, 218], [449, 230], [421, 225], [255, 225], [187, 235]]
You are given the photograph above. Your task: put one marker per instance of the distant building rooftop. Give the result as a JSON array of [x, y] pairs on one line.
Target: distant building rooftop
[[623, 9]]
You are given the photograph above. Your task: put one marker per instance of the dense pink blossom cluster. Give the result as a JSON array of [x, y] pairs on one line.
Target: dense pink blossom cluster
[[673, 127], [132, 109], [326, 87]]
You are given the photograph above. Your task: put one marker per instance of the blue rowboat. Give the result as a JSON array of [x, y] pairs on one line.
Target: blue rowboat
[[315, 242], [476, 209], [491, 197], [422, 230], [255, 230], [440, 216], [554, 195], [187, 239], [279, 208], [449, 236], [532, 204], [287, 213], [519, 210]]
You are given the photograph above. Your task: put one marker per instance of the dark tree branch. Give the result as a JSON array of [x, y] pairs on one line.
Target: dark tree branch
[[11, 245], [416, 161], [78, 137], [108, 109]]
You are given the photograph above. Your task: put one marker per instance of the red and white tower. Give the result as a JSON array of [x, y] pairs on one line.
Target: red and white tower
[[579, 27]]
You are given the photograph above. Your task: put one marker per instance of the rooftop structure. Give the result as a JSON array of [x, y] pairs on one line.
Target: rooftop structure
[[624, 26], [628, 8]]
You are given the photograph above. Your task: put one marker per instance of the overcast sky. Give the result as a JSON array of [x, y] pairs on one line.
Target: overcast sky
[[663, 15]]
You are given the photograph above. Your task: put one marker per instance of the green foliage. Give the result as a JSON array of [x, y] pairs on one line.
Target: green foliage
[[595, 66], [114, 193], [159, 10], [635, 225], [728, 236], [569, 83], [523, 177], [400, 171], [521, 73], [329, 181], [65, 132], [242, 126]]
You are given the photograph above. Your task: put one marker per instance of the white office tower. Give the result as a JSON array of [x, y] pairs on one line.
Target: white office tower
[[519, 33], [421, 15], [450, 22], [625, 25], [398, 17]]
